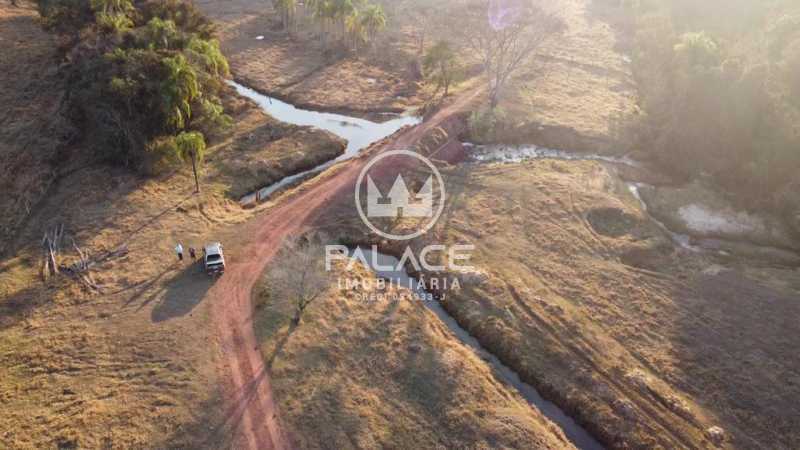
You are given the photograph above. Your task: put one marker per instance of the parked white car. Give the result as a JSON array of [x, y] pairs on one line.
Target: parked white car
[[213, 259]]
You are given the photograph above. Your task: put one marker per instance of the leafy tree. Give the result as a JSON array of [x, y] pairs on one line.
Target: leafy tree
[[442, 66], [707, 110], [342, 9], [144, 88], [698, 50], [66, 16], [179, 89], [353, 20], [161, 34]]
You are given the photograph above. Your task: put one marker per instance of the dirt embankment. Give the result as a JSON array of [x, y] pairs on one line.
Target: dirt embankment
[[301, 71]]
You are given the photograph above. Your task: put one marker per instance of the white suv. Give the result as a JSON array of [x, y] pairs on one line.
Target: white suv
[[213, 259]]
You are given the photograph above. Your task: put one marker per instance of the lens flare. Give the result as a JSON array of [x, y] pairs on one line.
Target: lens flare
[[503, 13]]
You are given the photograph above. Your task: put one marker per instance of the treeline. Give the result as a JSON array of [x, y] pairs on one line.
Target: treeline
[[143, 78], [720, 95], [353, 23]]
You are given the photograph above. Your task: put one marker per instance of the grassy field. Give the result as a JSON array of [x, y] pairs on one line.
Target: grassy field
[[386, 373], [571, 94], [300, 70], [132, 364], [648, 344]]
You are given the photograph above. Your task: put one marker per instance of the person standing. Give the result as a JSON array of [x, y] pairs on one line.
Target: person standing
[[192, 253], [179, 251]]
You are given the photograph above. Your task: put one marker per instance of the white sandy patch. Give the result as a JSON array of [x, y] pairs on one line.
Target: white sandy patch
[[700, 219]]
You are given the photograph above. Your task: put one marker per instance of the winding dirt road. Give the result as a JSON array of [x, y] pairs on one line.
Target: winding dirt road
[[252, 417]]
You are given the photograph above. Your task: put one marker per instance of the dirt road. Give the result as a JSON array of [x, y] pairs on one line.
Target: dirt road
[[252, 414]]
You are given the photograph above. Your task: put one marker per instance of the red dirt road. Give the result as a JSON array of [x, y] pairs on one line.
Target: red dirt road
[[252, 415]]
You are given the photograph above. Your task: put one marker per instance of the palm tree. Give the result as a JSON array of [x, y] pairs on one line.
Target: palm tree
[[179, 89], [324, 12], [288, 10], [191, 147], [354, 29], [342, 9], [373, 20]]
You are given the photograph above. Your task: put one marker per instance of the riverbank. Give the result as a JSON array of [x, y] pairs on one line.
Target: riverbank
[[590, 302], [299, 70]]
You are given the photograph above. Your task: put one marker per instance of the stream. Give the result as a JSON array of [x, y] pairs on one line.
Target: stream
[[359, 133], [482, 154], [574, 432]]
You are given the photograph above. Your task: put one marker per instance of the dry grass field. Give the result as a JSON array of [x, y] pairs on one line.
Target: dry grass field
[[648, 344], [299, 70], [386, 373], [134, 363]]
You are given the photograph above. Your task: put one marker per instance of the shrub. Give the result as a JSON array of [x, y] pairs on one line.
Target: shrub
[[707, 112], [485, 123], [141, 74]]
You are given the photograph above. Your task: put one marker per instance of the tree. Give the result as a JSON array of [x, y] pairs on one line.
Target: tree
[[191, 147], [342, 9], [355, 29], [288, 11], [373, 20], [442, 66], [133, 92], [179, 89], [502, 44], [300, 276]]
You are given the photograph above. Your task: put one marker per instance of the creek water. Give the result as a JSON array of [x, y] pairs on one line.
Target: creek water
[[482, 154], [358, 132], [574, 432]]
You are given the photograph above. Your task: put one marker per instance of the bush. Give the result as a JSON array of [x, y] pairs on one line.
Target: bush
[[485, 123], [141, 75], [705, 111]]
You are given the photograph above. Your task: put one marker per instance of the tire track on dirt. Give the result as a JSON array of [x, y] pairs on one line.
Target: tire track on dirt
[[248, 389], [672, 436]]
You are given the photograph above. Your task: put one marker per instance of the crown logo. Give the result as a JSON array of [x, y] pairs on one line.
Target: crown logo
[[399, 202]]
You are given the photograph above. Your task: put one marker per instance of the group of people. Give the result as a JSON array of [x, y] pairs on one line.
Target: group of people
[[179, 252]]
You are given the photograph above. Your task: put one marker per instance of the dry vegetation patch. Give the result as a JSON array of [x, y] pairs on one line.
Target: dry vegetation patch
[[386, 373], [592, 304], [132, 364]]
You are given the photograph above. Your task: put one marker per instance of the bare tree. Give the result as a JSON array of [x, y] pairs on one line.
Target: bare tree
[[505, 37], [298, 275]]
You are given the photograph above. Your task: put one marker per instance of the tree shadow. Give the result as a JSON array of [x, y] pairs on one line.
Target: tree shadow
[[141, 288], [18, 306], [181, 294]]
